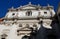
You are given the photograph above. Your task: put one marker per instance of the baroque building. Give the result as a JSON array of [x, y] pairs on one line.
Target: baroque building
[[25, 21]]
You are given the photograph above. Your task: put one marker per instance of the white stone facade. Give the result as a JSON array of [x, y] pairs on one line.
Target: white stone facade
[[18, 21]]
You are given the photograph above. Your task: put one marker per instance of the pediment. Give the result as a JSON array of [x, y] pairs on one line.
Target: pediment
[[29, 7], [26, 7]]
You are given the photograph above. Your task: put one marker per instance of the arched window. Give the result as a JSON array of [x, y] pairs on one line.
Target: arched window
[[27, 25], [3, 36], [34, 25], [25, 37], [20, 25], [29, 13], [13, 14]]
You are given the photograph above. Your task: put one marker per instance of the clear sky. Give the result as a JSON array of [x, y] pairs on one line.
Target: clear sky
[[5, 4]]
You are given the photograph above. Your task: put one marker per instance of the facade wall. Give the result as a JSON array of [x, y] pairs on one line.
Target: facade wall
[[35, 13], [17, 24]]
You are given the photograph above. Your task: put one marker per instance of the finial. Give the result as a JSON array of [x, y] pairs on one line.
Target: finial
[[12, 7], [38, 4], [29, 3], [21, 6], [48, 5]]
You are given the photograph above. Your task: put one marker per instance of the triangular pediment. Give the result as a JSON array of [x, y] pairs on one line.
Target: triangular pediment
[[29, 7], [26, 7]]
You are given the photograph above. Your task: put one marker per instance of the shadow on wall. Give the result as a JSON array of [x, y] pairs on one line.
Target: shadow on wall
[[44, 33], [53, 33]]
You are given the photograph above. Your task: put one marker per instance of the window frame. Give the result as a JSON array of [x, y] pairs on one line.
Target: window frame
[[45, 12], [13, 14], [29, 13]]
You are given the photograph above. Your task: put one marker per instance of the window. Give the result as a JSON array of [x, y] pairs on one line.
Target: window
[[20, 25], [25, 37], [4, 35], [13, 14], [59, 15], [29, 13], [34, 25], [27, 25], [45, 12], [2, 38], [40, 22]]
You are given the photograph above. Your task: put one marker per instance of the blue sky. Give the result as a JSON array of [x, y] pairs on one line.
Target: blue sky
[[5, 4]]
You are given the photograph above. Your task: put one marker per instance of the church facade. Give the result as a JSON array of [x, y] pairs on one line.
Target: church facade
[[19, 23]]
